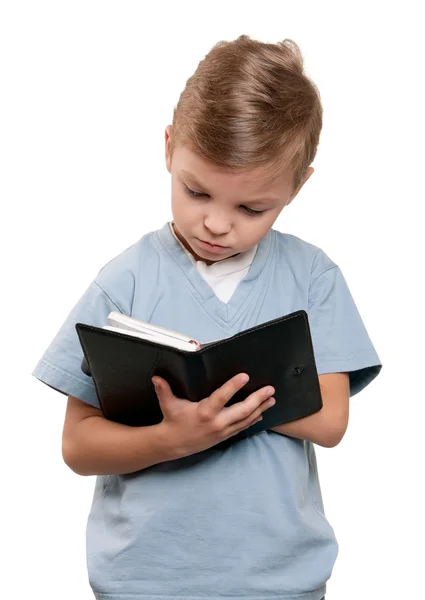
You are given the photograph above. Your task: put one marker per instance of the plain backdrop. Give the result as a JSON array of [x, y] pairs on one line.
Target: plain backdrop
[[87, 89]]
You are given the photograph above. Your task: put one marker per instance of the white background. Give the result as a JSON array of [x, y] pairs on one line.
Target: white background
[[87, 91]]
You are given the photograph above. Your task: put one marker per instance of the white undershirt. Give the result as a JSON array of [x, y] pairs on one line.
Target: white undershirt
[[224, 275]]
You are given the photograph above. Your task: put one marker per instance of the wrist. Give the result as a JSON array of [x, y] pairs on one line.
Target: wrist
[[167, 445]]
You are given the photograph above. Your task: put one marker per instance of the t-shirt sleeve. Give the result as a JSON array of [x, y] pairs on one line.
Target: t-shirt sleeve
[[340, 340], [60, 365]]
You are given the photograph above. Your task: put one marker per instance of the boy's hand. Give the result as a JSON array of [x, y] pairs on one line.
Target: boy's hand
[[191, 427]]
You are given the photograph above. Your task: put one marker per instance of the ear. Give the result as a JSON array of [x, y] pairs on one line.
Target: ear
[[168, 132], [309, 173]]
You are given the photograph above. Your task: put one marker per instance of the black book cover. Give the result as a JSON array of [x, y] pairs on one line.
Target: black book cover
[[278, 353]]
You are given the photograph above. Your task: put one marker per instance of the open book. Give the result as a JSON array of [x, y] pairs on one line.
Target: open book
[[124, 324], [122, 356]]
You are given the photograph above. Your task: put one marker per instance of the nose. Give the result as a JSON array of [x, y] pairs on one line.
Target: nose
[[217, 224]]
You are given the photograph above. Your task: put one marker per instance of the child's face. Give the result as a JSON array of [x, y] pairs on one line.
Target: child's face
[[234, 212]]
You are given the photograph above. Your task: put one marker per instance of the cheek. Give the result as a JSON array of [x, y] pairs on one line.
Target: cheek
[[257, 229], [183, 208], [178, 201], [268, 220]]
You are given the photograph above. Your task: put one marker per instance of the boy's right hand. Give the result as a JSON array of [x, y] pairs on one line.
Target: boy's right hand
[[191, 427]]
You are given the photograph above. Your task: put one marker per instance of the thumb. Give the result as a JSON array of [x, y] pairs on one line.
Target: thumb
[[162, 389]]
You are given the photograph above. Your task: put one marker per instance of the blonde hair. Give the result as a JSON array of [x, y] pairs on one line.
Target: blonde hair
[[248, 105]]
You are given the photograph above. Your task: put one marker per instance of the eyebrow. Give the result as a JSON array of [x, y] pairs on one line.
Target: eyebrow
[[196, 182]]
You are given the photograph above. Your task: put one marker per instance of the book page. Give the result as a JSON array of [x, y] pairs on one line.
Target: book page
[[156, 337], [116, 319]]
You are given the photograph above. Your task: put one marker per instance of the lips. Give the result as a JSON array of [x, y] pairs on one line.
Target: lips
[[215, 248], [211, 244]]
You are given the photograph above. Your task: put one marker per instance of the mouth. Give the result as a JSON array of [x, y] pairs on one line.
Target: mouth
[[215, 248]]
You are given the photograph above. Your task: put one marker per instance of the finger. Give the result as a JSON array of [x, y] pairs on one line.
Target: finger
[[159, 383], [162, 389], [246, 408], [264, 406], [211, 406], [255, 417]]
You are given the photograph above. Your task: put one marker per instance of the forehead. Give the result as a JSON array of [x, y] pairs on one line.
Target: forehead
[[195, 168]]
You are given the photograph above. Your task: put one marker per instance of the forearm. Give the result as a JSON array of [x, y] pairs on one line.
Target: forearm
[[102, 447], [318, 428]]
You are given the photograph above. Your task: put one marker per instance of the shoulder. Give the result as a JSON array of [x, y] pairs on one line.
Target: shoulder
[[118, 277], [304, 254]]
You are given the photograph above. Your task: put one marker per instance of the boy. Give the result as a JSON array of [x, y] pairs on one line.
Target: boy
[[172, 516]]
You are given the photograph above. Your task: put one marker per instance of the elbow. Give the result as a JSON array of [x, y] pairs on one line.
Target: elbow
[[331, 442], [70, 458], [334, 435]]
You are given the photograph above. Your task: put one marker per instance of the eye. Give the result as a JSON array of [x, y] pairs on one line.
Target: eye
[[251, 211], [193, 194]]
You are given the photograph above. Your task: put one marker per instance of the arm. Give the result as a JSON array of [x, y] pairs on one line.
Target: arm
[[93, 445], [326, 427]]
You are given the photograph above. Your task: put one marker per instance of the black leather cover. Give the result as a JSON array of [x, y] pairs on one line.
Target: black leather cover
[[277, 353]]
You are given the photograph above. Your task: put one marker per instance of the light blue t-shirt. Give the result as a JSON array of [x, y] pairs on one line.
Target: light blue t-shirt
[[246, 522]]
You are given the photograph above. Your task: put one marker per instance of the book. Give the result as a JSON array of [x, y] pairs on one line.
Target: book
[[122, 356]]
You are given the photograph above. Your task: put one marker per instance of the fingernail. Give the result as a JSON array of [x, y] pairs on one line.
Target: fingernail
[[244, 378]]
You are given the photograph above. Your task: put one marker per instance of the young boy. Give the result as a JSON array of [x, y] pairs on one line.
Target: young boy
[[173, 517]]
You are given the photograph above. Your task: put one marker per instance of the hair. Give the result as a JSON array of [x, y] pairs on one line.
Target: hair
[[250, 105]]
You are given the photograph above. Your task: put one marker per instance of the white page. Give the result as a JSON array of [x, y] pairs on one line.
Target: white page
[[116, 319], [156, 337]]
